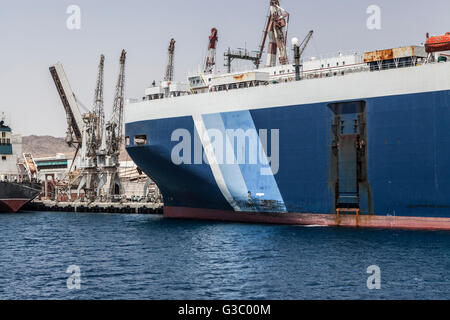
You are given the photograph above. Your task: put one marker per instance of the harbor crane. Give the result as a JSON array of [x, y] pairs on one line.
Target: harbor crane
[[99, 111], [98, 142], [108, 155], [211, 58], [84, 130], [94, 121], [276, 29], [92, 136], [114, 128]]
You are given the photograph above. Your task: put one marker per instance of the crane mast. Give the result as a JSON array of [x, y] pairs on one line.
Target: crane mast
[[114, 126], [94, 120], [108, 156], [99, 103], [211, 58], [276, 30], [170, 62]]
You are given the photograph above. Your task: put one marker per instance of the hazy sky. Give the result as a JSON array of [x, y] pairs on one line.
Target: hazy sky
[[34, 36]]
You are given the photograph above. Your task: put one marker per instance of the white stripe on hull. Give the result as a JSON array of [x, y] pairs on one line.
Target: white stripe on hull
[[210, 155]]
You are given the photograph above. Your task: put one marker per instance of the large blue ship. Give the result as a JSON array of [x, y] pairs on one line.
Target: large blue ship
[[349, 140]]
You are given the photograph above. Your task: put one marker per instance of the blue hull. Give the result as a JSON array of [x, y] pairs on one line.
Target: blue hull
[[384, 156]]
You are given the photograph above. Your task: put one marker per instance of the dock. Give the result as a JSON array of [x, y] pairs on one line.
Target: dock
[[100, 207]]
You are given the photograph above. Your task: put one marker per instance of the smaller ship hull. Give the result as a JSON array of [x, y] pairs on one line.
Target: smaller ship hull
[[312, 219], [12, 205], [13, 196]]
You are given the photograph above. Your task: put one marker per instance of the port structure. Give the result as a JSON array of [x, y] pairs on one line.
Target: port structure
[[276, 29], [97, 142], [92, 138], [108, 158]]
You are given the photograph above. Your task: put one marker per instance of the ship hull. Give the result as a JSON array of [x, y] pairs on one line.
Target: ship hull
[[311, 219], [12, 205], [13, 196], [380, 160]]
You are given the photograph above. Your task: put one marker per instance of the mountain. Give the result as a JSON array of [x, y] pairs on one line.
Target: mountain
[[48, 146]]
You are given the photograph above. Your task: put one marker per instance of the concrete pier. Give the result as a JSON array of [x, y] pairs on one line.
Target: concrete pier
[[102, 207]]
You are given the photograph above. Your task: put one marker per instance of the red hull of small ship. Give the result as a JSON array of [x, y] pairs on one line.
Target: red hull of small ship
[[12, 205], [342, 220]]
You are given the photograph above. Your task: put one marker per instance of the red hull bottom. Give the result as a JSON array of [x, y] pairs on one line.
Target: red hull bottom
[[12, 205], [343, 220]]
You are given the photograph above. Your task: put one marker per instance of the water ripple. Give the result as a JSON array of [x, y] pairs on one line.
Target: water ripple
[[147, 257]]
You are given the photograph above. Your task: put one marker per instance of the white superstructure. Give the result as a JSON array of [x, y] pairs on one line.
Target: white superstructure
[[10, 154]]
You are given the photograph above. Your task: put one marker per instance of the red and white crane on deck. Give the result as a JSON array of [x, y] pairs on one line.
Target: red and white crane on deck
[[211, 58], [276, 29]]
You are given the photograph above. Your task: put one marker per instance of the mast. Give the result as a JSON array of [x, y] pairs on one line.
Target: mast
[[170, 62], [116, 123], [98, 108], [211, 58]]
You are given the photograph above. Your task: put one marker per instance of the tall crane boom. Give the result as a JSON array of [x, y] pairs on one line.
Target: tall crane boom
[[305, 42], [74, 119], [114, 127], [99, 104], [298, 52], [94, 120], [276, 29], [211, 58], [170, 62]]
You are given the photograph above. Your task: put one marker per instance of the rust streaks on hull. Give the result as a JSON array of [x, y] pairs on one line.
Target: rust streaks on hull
[[333, 220]]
